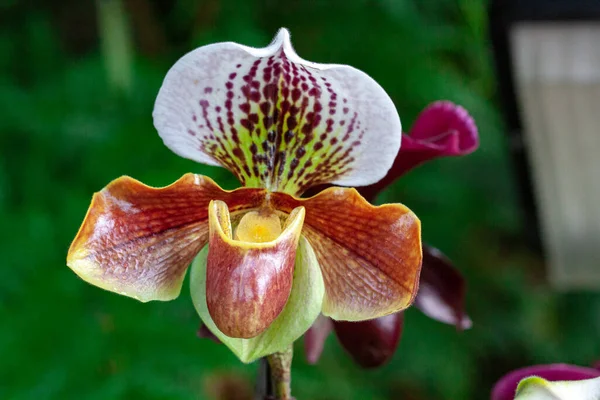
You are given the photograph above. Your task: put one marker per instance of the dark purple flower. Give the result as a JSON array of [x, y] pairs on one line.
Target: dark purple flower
[[371, 343], [506, 387], [442, 129]]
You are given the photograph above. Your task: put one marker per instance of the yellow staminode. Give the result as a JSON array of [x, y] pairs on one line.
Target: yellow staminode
[[258, 227]]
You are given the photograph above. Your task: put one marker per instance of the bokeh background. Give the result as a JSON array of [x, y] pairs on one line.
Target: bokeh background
[[77, 84]]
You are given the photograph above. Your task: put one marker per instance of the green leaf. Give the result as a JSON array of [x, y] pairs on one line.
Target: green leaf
[[301, 310]]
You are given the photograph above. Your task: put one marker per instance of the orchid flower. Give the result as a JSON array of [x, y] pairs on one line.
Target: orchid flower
[[266, 262], [441, 129], [549, 382]]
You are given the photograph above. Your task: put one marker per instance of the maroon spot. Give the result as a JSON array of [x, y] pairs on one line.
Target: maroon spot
[[289, 135], [270, 92], [345, 110], [239, 65], [255, 96], [304, 86], [345, 100], [294, 164], [265, 107], [208, 89], [247, 124], [238, 152], [255, 84], [191, 132], [292, 122], [194, 118], [343, 122], [253, 118], [271, 136], [218, 108], [230, 94], [300, 152], [245, 107], [314, 92], [318, 146], [333, 140], [203, 103], [232, 75], [296, 93], [268, 121], [229, 85], [253, 148]]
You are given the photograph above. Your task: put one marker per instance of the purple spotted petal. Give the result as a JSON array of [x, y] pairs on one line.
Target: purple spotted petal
[[506, 387], [276, 120], [442, 129], [442, 288]]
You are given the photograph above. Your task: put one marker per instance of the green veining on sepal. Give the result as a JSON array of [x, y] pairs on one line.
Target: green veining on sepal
[[278, 124], [301, 310]]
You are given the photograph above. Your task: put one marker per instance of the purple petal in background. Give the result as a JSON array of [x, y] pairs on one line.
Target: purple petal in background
[[442, 129], [314, 338], [205, 333], [371, 343], [442, 288], [507, 385]]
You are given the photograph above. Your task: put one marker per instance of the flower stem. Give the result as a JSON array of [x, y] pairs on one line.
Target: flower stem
[[281, 373]]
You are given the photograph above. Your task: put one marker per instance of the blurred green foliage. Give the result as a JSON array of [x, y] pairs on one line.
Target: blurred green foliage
[[68, 126]]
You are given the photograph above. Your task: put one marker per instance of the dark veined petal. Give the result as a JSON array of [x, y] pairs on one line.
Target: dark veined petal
[[506, 387], [299, 313], [371, 343], [370, 256], [442, 290], [314, 338], [138, 241], [276, 120], [443, 129], [248, 283]]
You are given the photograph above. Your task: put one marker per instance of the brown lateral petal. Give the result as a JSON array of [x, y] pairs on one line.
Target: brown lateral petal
[[248, 283], [138, 241], [370, 256]]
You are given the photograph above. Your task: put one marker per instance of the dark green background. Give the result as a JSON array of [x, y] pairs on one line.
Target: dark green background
[[68, 127]]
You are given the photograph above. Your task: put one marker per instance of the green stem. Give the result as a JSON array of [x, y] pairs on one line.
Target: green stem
[[281, 373]]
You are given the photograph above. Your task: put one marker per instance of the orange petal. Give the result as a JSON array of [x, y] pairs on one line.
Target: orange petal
[[370, 256], [138, 241], [248, 283]]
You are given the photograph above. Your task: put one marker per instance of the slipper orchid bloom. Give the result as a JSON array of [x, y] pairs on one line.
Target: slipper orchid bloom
[[266, 262], [442, 129], [549, 382]]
